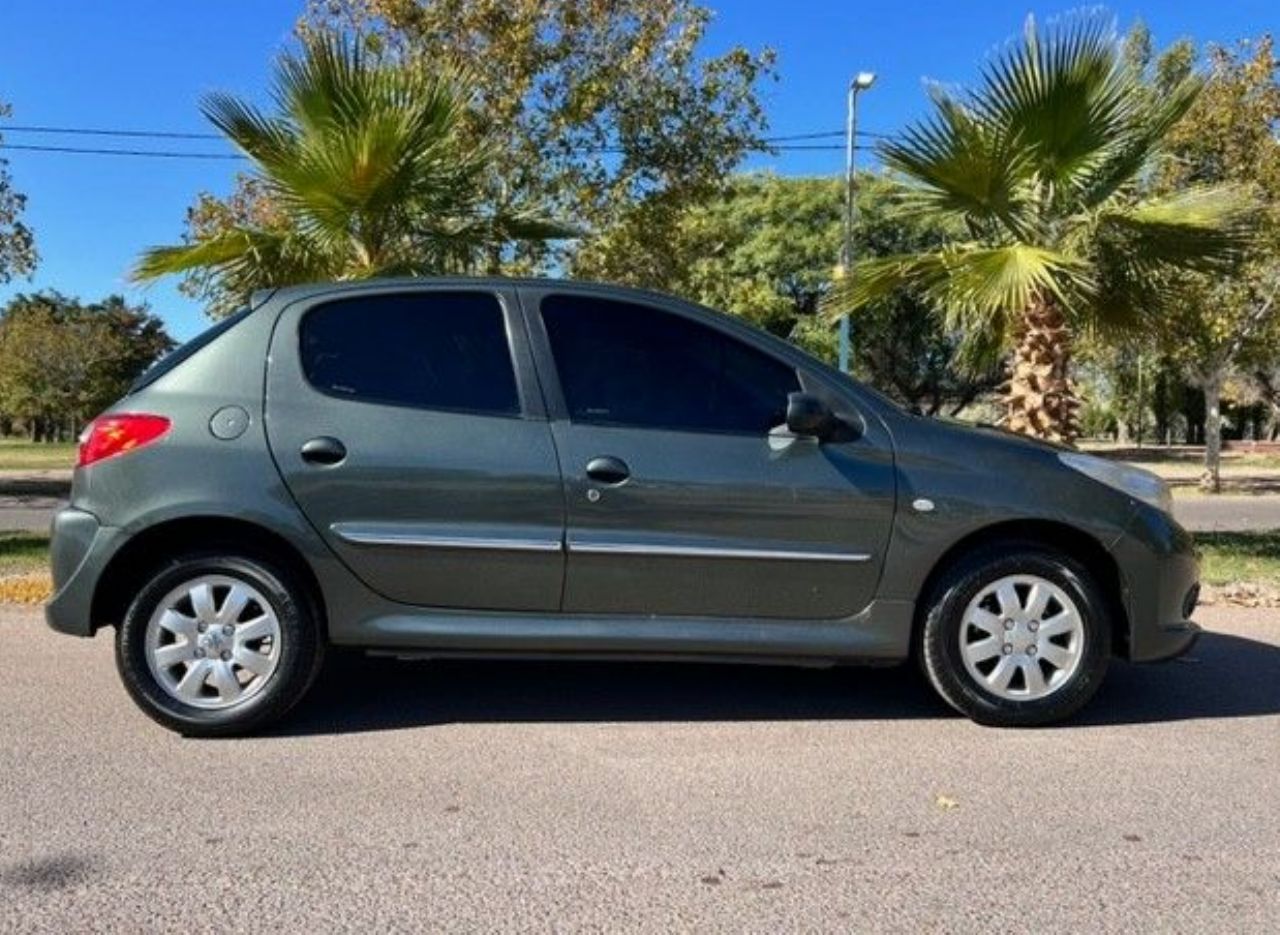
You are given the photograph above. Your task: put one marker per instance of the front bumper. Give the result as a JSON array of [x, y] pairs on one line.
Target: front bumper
[[79, 550], [1160, 576]]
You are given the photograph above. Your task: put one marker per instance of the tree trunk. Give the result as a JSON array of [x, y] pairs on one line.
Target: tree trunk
[[1160, 404], [1039, 398], [493, 257], [1211, 479]]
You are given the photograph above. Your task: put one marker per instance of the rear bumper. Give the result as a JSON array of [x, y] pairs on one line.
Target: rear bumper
[[1161, 578], [79, 550]]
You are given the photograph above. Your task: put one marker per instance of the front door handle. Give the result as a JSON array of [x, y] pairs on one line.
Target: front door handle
[[323, 450], [608, 470]]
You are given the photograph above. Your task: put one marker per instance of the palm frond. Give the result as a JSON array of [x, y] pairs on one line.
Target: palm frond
[[1065, 93], [369, 165], [266, 140], [1206, 228], [1058, 120], [973, 284], [227, 248], [960, 164], [256, 258], [1140, 251], [1135, 149]]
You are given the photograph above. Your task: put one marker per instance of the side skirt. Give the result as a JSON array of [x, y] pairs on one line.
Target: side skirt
[[879, 634]]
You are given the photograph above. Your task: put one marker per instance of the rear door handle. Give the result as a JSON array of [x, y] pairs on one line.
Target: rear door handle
[[608, 470], [323, 450]]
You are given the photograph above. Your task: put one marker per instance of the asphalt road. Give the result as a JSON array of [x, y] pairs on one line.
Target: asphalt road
[[1229, 513], [493, 797], [28, 513]]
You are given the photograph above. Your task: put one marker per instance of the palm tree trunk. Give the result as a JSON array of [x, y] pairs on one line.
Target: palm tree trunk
[[1039, 398]]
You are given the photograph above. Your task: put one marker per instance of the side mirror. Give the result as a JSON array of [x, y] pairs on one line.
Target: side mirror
[[809, 416]]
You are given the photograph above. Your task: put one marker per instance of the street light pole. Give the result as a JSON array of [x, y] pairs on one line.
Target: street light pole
[[861, 82]]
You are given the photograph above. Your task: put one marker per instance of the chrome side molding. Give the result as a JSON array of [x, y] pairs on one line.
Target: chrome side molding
[[696, 551], [385, 534], [359, 534]]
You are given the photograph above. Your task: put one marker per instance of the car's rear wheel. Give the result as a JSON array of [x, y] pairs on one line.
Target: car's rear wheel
[[1016, 635], [218, 644]]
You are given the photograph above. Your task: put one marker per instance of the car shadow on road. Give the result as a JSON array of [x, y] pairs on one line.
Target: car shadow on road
[[1224, 677]]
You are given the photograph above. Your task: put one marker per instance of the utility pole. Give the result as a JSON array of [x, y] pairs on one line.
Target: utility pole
[[861, 82]]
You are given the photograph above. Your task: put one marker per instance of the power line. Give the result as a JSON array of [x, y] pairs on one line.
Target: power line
[[792, 142], [824, 134], [94, 131], [827, 147], [191, 135], [175, 154], [821, 135], [151, 153]]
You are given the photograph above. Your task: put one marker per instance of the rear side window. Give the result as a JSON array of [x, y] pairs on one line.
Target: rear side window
[[429, 350], [626, 364]]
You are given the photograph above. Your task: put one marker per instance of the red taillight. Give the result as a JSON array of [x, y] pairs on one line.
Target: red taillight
[[108, 436]]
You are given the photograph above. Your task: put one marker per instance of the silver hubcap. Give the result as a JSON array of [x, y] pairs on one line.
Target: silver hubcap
[[213, 642], [1022, 638]]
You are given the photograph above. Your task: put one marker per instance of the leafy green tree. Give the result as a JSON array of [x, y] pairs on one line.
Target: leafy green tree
[[366, 171], [1040, 166], [1226, 325], [248, 207], [764, 250], [1267, 381], [17, 242], [608, 112], [62, 362]]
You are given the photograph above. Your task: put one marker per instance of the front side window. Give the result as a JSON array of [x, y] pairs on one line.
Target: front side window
[[428, 350], [632, 365]]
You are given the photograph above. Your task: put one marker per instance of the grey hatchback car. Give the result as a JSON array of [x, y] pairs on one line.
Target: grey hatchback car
[[534, 468]]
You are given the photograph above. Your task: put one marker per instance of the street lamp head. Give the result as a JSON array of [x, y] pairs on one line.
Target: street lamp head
[[864, 80]]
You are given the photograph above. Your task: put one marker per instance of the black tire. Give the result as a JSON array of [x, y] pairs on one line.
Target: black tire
[[940, 637], [301, 646]]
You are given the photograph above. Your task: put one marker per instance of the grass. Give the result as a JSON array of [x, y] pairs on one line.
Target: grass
[[1228, 557], [20, 455], [22, 553], [24, 568]]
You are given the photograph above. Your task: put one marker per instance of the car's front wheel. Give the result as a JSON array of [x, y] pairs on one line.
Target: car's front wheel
[[1016, 635], [218, 644]]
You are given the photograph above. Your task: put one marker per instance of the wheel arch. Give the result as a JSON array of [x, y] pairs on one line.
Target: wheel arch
[[1062, 537], [149, 548]]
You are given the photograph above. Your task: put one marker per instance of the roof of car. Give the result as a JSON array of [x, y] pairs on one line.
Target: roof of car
[[292, 293]]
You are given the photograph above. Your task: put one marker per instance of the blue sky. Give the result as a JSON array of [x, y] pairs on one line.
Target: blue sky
[[143, 64]]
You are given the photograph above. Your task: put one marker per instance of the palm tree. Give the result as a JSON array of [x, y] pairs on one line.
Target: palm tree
[[1043, 167], [367, 170]]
